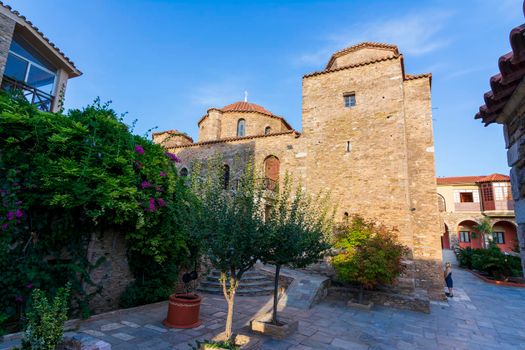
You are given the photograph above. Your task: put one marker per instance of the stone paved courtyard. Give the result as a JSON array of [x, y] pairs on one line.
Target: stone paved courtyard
[[480, 316]]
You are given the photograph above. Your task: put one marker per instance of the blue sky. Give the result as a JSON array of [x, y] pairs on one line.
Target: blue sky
[[166, 62]]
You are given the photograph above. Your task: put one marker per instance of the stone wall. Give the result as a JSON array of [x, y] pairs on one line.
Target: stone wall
[[7, 28], [112, 276]]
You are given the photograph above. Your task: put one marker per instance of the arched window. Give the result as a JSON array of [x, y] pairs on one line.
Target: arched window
[[183, 172], [241, 128], [226, 176], [271, 172], [267, 130], [441, 203]]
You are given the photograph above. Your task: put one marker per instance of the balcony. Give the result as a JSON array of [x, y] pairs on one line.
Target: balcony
[[40, 99], [467, 206]]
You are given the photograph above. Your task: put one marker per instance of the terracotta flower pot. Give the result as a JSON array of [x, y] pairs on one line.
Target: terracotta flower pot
[[183, 311]]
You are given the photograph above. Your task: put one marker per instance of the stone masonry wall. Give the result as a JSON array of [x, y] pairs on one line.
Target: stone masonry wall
[[422, 186], [254, 125], [113, 275], [7, 28]]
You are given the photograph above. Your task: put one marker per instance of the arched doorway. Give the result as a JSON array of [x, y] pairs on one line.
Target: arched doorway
[[445, 238], [468, 236], [504, 235], [271, 172]]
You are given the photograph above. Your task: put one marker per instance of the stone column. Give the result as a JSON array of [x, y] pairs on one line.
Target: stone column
[[7, 28]]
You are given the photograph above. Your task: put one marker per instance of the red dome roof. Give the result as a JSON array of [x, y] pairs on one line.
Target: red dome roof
[[245, 107]]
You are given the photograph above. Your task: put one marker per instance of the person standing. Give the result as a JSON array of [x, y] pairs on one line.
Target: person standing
[[448, 279]]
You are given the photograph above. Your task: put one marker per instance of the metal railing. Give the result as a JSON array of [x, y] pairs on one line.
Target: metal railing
[[40, 99]]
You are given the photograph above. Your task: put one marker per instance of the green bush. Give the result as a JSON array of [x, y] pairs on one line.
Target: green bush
[[45, 319], [65, 177], [496, 263], [370, 254], [137, 293], [465, 257]]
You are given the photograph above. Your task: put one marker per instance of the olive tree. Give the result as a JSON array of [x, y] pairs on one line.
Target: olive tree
[[231, 225], [297, 229]]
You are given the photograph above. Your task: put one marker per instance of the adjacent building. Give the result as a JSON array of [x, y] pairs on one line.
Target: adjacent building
[[505, 104], [466, 201], [366, 138], [30, 63]]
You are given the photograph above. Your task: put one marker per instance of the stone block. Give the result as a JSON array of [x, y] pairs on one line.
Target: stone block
[[262, 325], [366, 306]]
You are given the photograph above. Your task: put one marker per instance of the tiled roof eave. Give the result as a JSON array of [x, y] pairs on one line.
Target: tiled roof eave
[[75, 70], [232, 139], [355, 65], [366, 44]]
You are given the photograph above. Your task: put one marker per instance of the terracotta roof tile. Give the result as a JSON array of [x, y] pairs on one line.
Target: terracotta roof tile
[[353, 65], [230, 139], [35, 28], [453, 180], [360, 46], [511, 71]]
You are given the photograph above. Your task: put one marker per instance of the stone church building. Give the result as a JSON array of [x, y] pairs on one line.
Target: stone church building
[[366, 137]]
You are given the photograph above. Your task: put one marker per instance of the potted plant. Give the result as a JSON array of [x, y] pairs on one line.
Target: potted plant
[[370, 255], [184, 308], [295, 230]]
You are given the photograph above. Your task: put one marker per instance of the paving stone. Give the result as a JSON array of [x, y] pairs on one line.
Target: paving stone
[[130, 324], [123, 336], [156, 328], [111, 327], [93, 333]]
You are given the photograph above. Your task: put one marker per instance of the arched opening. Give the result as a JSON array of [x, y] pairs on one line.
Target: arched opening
[[226, 176], [241, 128], [183, 172], [267, 130], [271, 172], [468, 236], [445, 238], [345, 218], [442, 205], [504, 236]]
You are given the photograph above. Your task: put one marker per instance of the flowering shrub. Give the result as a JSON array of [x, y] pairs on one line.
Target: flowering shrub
[[65, 177]]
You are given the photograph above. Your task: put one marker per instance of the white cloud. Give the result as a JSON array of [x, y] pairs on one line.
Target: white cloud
[[415, 34]]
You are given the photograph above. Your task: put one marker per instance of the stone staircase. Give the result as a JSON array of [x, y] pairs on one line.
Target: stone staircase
[[253, 283]]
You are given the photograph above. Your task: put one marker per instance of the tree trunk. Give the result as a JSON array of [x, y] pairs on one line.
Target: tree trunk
[[276, 293], [360, 298], [229, 318]]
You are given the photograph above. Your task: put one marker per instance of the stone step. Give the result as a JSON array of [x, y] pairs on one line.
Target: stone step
[[240, 292], [243, 285], [253, 283]]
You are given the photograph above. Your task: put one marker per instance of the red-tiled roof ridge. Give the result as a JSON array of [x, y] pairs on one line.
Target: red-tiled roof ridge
[[35, 28], [246, 107], [417, 76], [171, 132], [451, 180], [229, 139], [360, 64], [367, 44], [511, 71], [494, 178]]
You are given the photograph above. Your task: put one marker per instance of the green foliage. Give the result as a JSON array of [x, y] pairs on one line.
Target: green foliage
[[465, 257], [491, 261], [45, 319], [223, 345], [151, 291], [231, 224], [66, 177], [370, 254], [296, 231]]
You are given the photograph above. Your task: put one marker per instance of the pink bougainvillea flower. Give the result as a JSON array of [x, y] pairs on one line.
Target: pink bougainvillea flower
[[145, 184], [173, 157], [19, 213], [19, 299], [151, 205], [10, 215], [29, 285], [159, 188], [161, 202], [5, 227], [162, 174], [139, 149]]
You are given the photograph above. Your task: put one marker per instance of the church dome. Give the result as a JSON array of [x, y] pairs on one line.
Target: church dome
[[242, 106]]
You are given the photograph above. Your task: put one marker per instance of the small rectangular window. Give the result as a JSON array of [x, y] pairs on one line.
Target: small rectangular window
[[349, 100], [499, 237], [466, 197], [464, 236]]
